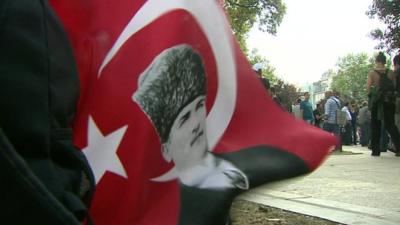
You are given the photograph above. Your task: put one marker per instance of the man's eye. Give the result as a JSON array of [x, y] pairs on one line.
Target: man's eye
[[184, 118], [200, 104]]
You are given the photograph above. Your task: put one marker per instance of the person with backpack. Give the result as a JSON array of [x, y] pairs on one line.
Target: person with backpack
[[381, 89], [396, 64], [332, 106], [44, 178]]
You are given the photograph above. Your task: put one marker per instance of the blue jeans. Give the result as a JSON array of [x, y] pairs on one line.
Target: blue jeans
[[335, 130]]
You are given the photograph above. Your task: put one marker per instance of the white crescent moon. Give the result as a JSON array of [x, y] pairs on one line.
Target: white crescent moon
[[213, 22]]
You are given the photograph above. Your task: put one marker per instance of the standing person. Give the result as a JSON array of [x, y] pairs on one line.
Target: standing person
[[296, 109], [364, 121], [346, 133], [306, 109], [396, 64], [318, 112], [380, 86], [330, 125], [354, 115]]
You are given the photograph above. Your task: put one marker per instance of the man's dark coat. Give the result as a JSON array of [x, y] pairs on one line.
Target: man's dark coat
[[44, 179]]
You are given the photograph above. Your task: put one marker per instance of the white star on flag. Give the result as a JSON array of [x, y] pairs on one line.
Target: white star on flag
[[101, 151]]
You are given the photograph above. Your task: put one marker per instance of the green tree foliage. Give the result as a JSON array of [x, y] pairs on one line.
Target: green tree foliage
[[387, 11], [268, 14], [287, 93], [268, 70], [351, 77], [245, 13]]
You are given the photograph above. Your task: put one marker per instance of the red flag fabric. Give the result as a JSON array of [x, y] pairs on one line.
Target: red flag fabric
[[171, 117]]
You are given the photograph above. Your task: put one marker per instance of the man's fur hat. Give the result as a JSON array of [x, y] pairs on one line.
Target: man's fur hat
[[175, 78]]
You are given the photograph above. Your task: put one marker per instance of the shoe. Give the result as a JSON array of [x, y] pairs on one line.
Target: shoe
[[397, 154], [376, 153]]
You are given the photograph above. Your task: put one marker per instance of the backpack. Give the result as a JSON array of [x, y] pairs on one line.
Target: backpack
[[387, 88], [341, 119]]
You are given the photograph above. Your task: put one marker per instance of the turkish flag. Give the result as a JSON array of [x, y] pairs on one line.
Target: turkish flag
[[171, 117]]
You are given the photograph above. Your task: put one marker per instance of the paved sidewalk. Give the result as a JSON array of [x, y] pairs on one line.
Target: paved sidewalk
[[350, 189]]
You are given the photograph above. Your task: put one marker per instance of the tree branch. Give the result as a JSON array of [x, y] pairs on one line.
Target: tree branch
[[236, 3]]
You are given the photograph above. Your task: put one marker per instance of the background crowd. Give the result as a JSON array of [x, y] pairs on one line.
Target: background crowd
[[373, 121]]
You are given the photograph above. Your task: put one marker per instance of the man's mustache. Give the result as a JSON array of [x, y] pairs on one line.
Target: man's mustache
[[195, 138]]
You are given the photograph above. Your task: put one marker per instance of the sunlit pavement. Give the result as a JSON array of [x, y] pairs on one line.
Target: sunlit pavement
[[346, 188]]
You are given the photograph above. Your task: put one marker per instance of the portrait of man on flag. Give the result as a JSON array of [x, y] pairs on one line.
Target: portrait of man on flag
[[172, 92]]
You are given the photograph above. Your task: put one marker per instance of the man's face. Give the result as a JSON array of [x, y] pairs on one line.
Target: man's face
[[187, 143]]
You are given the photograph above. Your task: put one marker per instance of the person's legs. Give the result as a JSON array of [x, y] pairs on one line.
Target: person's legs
[[354, 132], [397, 123], [327, 127], [363, 134], [346, 134], [375, 131], [384, 140], [336, 132], [342, 134], [368, 133], [334, 129], [397, 120], [388, 118]]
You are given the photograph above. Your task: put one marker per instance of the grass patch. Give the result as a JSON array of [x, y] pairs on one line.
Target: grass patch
[[249, 213]]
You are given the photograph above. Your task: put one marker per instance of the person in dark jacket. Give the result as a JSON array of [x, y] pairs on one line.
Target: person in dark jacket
[[364, 121], [318, 115], [354, 116], [382, 105], [44, 178], [396, 64]]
